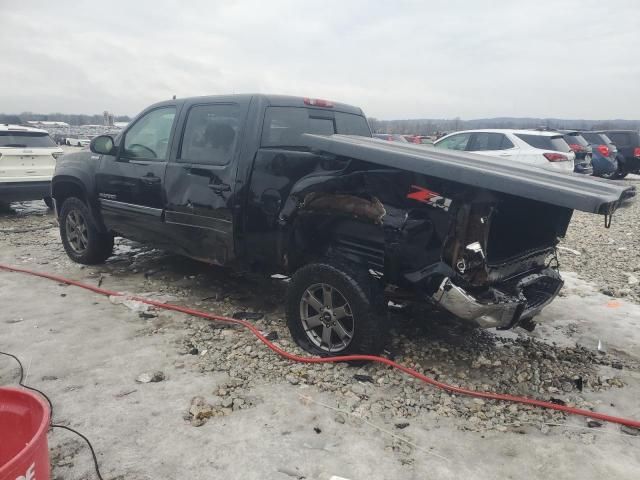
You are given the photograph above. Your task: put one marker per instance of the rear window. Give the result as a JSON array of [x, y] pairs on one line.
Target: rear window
[[621, 139], [575, 139], [595, 138], [555, 143], [26, 140], [284, 126]]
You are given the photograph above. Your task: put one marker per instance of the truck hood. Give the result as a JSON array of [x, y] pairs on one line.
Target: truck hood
[[573, 191]]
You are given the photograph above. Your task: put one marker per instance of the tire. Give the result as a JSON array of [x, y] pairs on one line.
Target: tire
[[362, 318], [81, 238], [620, 175], [49, 202]]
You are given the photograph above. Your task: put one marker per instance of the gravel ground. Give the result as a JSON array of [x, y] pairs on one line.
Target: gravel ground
[[610, 257], [507, 362]]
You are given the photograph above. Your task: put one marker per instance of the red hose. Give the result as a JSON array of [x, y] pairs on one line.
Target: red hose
[[344, 358]]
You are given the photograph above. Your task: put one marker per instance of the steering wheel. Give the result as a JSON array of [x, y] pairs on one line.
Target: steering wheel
[[144, 147]]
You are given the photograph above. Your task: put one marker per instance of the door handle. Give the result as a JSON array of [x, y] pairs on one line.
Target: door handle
[[219, 187], [150, 180]]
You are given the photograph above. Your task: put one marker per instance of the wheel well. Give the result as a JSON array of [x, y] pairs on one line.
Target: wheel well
[[318, 236], [63, 190]]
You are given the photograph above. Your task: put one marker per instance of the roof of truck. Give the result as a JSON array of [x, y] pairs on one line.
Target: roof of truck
[[573, 191], [271, 100]]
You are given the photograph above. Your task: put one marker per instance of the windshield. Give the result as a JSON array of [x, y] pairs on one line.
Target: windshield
[[545, 142], [284, 126], [26, 140]]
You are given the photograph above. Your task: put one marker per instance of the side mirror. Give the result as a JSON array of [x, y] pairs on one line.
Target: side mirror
[[103, 145]]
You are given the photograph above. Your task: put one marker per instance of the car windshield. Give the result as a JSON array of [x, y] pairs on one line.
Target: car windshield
[[545, 142], [26, 140], [284, 126]]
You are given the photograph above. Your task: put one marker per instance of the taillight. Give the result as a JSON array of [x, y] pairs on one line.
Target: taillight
[[57, 155], [555, 157], [636, 152], [604, 150], [576, 147], [316, 102]]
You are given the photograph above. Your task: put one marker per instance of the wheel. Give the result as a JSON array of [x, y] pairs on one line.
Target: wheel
[[336, 309], [79, 144], [49, 202], [81, 238], [620, 175]]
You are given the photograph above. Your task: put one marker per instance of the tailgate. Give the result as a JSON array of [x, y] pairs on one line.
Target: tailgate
[[24, 164]]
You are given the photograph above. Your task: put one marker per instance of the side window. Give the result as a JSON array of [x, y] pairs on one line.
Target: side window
[[455, 142], [148, 138], [505, 143], [488, 141], [210, 134]]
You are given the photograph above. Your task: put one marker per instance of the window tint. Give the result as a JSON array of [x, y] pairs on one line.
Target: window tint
[[284, 126], [489, 141], [455, 142], [575, 139], [148, 138], [26, 140], [595, 138], [555, 143], [621, 139], [211, 134]]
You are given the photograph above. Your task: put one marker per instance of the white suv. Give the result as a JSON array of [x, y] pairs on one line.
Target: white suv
[[27, 161], [541, 149]]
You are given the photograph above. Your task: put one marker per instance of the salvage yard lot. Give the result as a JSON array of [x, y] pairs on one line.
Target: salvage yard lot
[[260, 416]]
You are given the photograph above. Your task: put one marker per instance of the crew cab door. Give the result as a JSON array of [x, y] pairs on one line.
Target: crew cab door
[[130, 183], [200, 180]]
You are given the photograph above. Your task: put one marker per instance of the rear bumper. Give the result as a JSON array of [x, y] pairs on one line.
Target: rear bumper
[[501, 307], [21, 191]]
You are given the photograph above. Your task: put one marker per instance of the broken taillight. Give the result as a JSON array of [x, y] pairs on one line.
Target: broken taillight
[[555, 157], [316, 102], [604, 150]]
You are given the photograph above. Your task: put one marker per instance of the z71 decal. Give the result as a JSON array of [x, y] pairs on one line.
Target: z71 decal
[[427, 196]]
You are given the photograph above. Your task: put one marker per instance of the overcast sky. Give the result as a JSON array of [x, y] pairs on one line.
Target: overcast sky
[[402, 59]]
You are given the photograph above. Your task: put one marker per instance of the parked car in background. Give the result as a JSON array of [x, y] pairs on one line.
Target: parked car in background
[[78, 141], [546, 150], [391, 137], [419, 139], [27, 161], [582, 149], [628, 143], [604, 154]]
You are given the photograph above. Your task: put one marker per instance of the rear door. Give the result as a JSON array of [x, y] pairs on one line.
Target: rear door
[[491, 144], [26, 156], [622, 140], [200, 179], [130, 183]]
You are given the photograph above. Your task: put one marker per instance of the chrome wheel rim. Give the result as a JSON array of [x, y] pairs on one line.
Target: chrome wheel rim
[[327, 318], [77, 232]]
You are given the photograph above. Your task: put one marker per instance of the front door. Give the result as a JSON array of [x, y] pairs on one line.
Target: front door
[[130, 183], [200, 181]]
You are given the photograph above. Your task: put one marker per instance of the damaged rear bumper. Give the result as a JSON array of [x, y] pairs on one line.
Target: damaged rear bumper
[[502, 307]]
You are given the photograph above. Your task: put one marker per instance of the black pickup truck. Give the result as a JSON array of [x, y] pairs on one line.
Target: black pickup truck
[[296, 185]]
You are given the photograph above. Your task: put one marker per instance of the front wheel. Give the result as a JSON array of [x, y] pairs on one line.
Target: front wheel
[[81, 238], [336, 309]]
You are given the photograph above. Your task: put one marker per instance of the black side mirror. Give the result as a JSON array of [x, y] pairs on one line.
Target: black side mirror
[[103, 145]]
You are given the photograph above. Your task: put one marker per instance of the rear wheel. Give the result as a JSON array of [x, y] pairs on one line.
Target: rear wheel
[[336, 309], [81, 238]]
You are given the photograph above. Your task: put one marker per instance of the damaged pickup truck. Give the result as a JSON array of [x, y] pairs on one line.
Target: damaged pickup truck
[[286, 184]]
